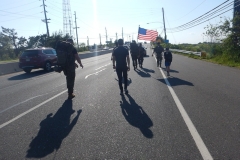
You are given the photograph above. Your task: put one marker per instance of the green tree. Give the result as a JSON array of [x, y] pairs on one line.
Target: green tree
[[6, 50]]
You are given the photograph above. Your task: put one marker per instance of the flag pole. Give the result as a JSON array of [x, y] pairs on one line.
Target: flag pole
[[138, 32]]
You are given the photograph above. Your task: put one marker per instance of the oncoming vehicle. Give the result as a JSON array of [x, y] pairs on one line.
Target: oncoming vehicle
[[38, 58]]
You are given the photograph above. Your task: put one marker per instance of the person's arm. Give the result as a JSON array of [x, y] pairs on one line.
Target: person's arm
[[128, 62], [78, 60], [153, 51], [113, 60]]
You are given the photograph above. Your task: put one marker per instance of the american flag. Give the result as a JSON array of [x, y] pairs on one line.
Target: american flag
[[148, 35]]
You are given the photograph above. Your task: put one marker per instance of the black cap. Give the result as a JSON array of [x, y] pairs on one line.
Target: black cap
[[120, 41]]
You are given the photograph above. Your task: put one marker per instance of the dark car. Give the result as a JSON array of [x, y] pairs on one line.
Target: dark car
[[38, 58]]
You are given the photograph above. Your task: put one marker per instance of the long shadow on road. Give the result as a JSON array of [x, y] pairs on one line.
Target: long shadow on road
[[30, 75], [142, 73], [136, 116], [52, 132], [129, 81], [174, 81]]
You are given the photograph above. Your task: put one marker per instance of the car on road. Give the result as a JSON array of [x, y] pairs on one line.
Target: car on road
[[38, 58]]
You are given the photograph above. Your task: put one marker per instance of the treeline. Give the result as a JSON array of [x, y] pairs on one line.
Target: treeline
[[12, 45]]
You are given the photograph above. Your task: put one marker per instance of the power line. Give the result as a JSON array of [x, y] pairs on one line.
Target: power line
[[207, 19], [203, 18], [17, 13], [198, 17], [20, 5], [192, 10], [23, 17], [172, 33]]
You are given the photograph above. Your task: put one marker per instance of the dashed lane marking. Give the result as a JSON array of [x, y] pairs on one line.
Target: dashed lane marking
[[96, 73]]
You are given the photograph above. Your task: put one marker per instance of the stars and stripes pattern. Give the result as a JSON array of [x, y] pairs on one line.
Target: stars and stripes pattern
[[148, 35]]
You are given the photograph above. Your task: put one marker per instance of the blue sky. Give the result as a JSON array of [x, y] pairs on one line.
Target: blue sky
[[94, 15]]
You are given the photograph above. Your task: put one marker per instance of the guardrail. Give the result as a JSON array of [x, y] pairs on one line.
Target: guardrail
[[187, 52]]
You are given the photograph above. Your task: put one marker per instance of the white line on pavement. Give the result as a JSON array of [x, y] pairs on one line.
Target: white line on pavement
[[29, 99], [96, 73], [103, 66], [197, 138], [30, 110]]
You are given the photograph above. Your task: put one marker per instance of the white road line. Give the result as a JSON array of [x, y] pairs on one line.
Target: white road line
[[96, 73], [197, 138], [30, 99], [103, 66], [30, 110]]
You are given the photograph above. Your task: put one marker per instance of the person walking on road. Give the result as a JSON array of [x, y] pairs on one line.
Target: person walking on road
[[168, 60], [134, 53], [141, 55], [158, 50], [69, 71], [121, 57]]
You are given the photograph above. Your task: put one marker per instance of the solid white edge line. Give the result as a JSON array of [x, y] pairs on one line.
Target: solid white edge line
[[197, 138], [30, 110]]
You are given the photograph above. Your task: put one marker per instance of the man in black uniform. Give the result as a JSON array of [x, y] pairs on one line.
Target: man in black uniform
[[134, 53], [158, 50], [141, 55], [69, 70], [121, 56]]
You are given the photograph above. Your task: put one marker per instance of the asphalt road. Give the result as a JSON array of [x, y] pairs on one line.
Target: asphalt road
[[193, 114]]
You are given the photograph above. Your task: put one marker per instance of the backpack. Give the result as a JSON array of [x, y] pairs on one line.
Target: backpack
[[158, 50], [63, 50]]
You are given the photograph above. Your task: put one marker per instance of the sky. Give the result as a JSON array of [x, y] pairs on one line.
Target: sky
[[95, 17]]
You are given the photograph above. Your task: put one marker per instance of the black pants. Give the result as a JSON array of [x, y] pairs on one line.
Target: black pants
[[70, 77], [134, 60], [159, 61], [140, 60], [122, 73]]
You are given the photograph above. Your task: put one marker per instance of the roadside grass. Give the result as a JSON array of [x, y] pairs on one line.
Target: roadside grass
[[222, 60], [8, 61]]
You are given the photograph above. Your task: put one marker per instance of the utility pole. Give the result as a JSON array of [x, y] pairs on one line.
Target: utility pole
[[87, 41], [122, 32], [70, 29], [116, 37], [165, 38], [106, 34], [100, 40], [76, 27], [46, 20]]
